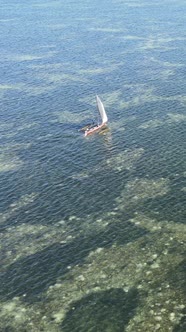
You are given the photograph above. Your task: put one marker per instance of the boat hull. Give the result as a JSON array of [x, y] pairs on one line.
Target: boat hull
[[94, 129]]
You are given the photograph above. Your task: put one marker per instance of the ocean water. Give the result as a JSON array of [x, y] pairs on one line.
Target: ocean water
[[92, 229]]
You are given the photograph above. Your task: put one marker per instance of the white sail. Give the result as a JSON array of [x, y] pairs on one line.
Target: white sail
[[101, 110]]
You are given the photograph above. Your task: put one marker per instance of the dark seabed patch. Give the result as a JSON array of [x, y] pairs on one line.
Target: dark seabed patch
[[92, 229], [32, 275], [102, 311]]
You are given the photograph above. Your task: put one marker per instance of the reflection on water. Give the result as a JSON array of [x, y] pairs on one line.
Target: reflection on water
[[92, 230]]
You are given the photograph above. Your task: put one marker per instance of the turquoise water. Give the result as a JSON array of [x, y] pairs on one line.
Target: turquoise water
[[92, 229]]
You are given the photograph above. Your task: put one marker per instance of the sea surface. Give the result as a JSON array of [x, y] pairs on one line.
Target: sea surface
[[92, 229]]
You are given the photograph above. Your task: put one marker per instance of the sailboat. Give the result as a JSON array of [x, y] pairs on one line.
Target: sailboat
[[103, 116]]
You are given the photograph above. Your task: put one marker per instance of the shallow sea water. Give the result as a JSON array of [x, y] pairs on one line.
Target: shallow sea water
[[92, 229]]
